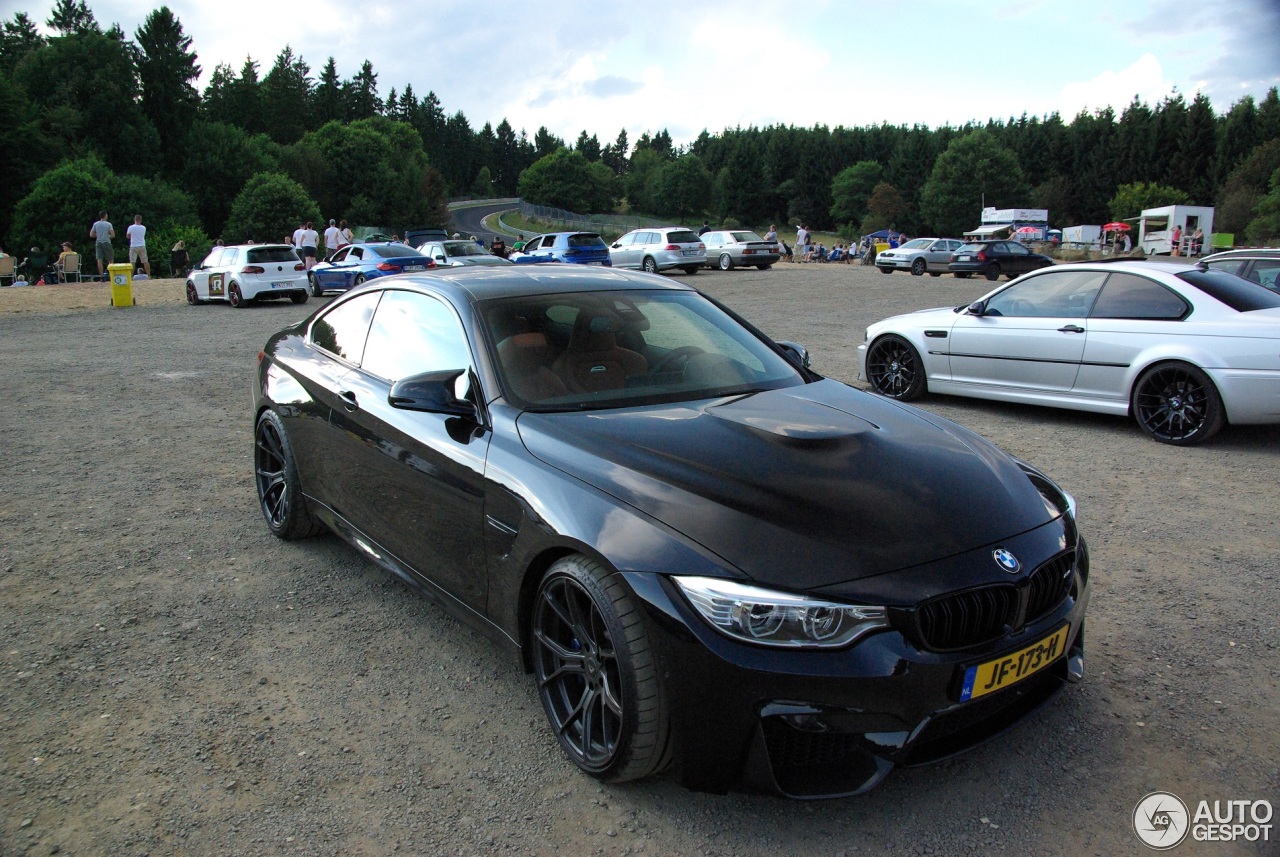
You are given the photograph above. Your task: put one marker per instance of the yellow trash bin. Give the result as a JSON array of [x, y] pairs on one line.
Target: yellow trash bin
[[121, 284]]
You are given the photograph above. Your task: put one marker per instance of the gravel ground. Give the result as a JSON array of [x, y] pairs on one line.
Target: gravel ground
[[177, 681]]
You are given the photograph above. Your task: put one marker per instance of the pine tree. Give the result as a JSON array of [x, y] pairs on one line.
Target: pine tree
[[286, 97], [326, 99], [167, 69], [18, 38], [71, 17]]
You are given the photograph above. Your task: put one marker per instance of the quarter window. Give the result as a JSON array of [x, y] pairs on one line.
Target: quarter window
[[1131, 296], [342, 331]]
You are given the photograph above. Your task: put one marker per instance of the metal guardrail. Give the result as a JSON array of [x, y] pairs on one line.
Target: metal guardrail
[[612, 223]]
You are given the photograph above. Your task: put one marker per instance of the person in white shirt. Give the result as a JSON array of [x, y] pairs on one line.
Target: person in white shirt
[[332, 239], [138, 244], [297, 238], [310, 240]]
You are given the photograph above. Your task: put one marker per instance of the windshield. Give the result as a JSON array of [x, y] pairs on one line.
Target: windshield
[[615, 349], [464, 248], [1236, 292], [916, 244], [393, 251]]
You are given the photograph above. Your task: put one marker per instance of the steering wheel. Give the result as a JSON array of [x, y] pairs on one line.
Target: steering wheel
[[676, 359]]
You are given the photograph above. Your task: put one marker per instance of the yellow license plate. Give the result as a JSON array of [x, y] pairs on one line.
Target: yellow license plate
[[1000, 673]]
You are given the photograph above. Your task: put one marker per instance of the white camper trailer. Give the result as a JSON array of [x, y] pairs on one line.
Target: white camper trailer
[[1156, 227], [1082, 237]]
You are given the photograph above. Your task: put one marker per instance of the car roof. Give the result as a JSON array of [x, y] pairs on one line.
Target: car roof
[[1246, 253], [474, 284]]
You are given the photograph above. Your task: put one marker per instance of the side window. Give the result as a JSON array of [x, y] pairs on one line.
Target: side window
[[1061, 294], [1017, 249], [343, 330], [1131, 296], [214, 259], [1231, 266], [339, 256], [1266, 272], [414, 333], [355, 254], [532, 245]]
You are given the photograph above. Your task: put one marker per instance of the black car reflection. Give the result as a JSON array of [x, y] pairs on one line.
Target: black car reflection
[[712, 559]]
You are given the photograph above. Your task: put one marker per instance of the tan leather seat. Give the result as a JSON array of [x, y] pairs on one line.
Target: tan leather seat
[[525, 359], [594, 361]]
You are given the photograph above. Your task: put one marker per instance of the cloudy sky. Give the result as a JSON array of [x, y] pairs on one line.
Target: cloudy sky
[[714, 64]]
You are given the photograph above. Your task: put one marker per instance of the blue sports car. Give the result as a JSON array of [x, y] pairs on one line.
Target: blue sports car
[[355, 263]]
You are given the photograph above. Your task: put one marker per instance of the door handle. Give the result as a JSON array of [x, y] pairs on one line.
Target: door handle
[[349, 402], [1071, 328]]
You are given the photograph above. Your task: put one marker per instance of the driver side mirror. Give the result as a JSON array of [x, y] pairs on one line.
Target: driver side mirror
[[433, 393], [977, 308], [797, 352]]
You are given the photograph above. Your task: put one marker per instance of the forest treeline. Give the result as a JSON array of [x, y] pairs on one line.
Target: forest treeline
[[91, 119]]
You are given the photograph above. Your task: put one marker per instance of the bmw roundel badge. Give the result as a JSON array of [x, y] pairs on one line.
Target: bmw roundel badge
[[1006, 560]]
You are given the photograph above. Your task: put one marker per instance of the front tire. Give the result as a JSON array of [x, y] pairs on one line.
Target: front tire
[[917, 268], [885, 270], [961, 275], [1176, 403], [894, 368], [765, 267], [726, 262], [314, 285], [596, 672], [690, 269], [279, 489], [298, 297], [193, 297]]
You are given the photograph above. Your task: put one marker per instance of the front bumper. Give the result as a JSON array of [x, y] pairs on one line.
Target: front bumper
[[894, 264], [812, 724]]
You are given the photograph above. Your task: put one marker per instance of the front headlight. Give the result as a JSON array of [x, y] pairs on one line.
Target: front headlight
[[769, 618]]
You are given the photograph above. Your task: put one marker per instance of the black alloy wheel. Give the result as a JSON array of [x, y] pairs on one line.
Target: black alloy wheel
[[726, 262], [917, 268], [1176, 403], [276, 475], [992, 271], [236, 296], [894, 368], [596, 673], [192, 297], [649, 265]]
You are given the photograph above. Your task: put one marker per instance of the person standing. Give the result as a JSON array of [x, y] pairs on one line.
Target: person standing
[[102, 232], [802, 242], [138, 244], [297, 239], [179, 259], [310, 240], [332, 239], [772, 236], [344, 235], [1176, 241]]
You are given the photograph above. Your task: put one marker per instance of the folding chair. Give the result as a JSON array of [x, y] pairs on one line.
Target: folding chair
[[70, 268], [8, 268]]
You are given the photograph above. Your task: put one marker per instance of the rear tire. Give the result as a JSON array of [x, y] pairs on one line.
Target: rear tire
[[935, 274], [726, 262], [358, 281], [961, 275], [236, 297], [597, 676], [1176, 403], [764, 267], [992, 272], [649, 266], [279, 489], [690, 269], [299, 297]]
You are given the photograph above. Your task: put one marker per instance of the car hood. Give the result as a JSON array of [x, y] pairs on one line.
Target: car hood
[[802, 487], [477, 260]]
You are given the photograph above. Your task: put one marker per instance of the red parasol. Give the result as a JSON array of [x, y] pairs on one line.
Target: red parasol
[[1116, 227]]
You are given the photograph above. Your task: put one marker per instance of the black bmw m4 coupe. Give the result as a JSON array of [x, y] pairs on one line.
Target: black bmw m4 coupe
[[713, 561]]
